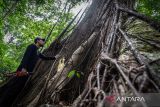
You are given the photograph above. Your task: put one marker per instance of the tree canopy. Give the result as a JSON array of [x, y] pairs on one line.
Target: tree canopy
[[150, 8], [23, 20]]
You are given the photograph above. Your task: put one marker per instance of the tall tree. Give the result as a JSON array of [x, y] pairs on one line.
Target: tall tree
[[91, 64]]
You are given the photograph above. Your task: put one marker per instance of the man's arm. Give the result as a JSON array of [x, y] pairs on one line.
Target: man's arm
[[45, 57]]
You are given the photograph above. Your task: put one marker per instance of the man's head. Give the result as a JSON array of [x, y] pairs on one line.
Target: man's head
[[39, 41]]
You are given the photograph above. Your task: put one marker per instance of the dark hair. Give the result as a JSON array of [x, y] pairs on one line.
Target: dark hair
[[38, 38]]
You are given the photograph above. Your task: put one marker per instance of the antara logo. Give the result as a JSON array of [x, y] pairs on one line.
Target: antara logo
[[130, 99], [112, 99]]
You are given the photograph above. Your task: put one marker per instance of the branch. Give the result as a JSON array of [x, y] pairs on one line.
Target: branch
[[103, 78], [113, 61], [85, 91], [151, 22], [136, 54], [98, 75]]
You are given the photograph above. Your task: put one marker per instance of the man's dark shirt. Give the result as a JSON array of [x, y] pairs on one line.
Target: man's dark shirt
[[31, 57]]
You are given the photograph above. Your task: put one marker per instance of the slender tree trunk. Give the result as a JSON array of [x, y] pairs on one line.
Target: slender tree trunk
[[93, 51]]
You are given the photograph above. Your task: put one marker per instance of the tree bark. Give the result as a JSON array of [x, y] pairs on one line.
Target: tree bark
[[85, 51]]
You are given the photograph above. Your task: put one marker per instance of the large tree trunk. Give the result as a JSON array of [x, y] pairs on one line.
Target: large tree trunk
[[93, 50]]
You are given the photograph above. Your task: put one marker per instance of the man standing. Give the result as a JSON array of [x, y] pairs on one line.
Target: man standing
[[32, 55], [10, 91]]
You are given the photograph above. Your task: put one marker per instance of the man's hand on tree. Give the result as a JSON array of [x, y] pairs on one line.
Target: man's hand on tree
[[24, 71]]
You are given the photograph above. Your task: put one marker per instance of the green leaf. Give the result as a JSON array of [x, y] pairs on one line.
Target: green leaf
[[71, 73], [78, 75]]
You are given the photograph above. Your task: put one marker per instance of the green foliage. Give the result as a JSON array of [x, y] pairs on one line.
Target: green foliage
[[22, 21], [150, 8], [78, 75], [73, 73]]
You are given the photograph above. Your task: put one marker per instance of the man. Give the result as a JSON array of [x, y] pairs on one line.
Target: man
[[31, 56], [10, 91]]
